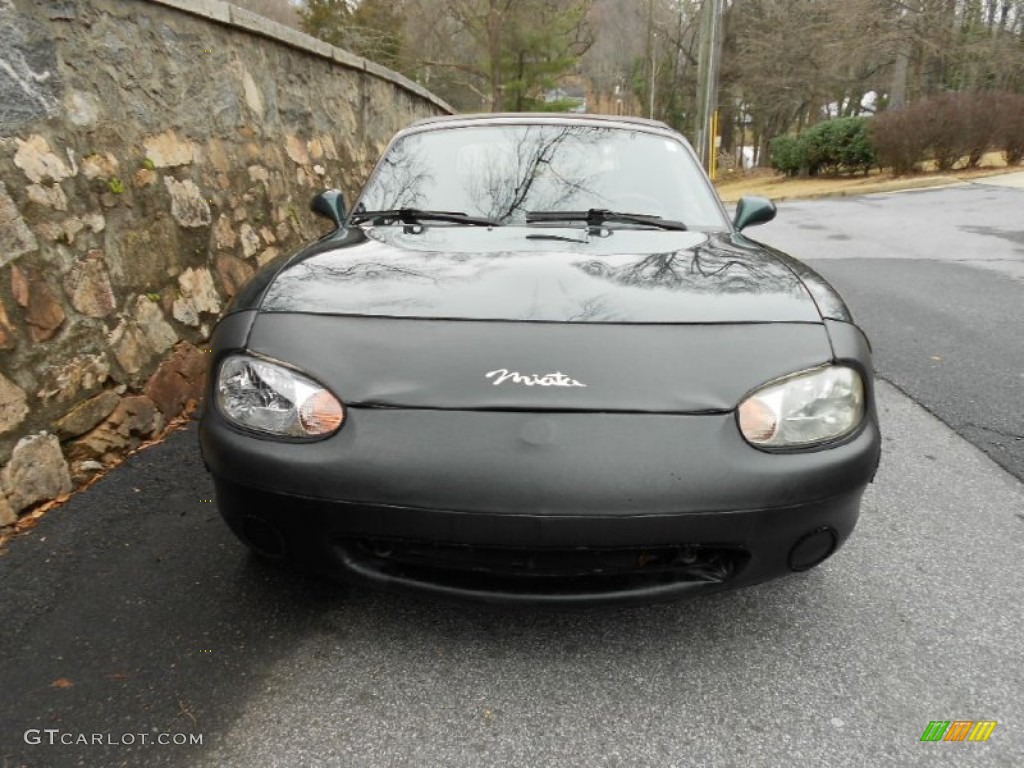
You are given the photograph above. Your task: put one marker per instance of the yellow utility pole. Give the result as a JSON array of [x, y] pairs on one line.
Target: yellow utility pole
[[713, 147]]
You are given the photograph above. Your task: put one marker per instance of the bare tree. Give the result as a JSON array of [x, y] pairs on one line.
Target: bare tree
[[495, 54], [786, 64]]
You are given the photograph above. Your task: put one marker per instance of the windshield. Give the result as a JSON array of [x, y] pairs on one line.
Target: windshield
[[503, 172]]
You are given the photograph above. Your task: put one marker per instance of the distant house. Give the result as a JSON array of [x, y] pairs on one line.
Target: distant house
[[573, 96]]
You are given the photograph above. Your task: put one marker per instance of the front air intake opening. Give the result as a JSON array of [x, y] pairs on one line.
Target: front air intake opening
[[549, 571]]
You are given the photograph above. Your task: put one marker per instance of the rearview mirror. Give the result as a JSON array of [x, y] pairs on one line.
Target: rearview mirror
[[753, 210], [330, 204]]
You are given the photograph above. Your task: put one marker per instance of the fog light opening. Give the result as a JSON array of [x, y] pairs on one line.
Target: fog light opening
[[263, 538], [812, 549]]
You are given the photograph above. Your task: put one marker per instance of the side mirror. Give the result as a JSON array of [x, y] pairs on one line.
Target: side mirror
[[753, 210], [330, 204]]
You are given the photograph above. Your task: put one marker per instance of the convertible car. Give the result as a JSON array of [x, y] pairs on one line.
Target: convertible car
[[536, 361]]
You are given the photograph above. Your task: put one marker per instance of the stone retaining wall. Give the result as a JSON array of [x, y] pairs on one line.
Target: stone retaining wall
[[153, 154]]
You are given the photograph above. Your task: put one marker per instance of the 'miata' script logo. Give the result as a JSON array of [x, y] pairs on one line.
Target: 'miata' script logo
[[556, 379]]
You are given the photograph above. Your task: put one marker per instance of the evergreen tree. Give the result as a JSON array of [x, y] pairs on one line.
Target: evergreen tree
[[376, 31], [328, 20]]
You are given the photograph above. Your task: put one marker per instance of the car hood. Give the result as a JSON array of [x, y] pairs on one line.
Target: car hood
[[548, 275], [689, 329]]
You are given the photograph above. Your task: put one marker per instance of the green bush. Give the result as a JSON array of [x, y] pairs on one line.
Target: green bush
[[838, 146], [835, 146], [788, 155], [856, 152]]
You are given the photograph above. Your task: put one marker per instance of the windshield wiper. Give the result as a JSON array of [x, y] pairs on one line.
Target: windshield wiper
[[417, 215], [595, 217]]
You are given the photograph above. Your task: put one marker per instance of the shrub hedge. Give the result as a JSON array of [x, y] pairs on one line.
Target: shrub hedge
[[950, 129], [1008, 127]]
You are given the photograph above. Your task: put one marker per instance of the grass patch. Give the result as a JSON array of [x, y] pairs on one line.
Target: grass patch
[[768, 183]]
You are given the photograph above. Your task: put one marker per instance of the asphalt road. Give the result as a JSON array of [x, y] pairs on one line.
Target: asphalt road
[[131, 610], [936, 278]]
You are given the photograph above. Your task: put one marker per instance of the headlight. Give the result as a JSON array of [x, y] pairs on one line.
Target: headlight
[[804, 409], [270, 398]]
